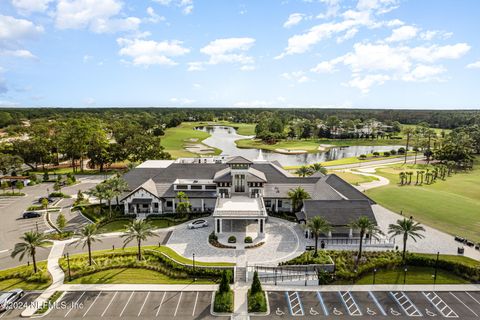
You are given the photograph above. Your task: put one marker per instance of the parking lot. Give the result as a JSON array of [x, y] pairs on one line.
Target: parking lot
[[362, 305], [19, 306], [134, 304]]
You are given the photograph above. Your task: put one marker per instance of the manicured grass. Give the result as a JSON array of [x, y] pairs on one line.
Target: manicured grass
[[176, 138], [354, 179], [311, 145], [133, 276], [438, 131], [415, 275], [64, 171], [17, 283], [114, 226], [453, 258], [452, 205], [166, 250]]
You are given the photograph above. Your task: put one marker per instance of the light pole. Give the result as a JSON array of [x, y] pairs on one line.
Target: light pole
[[405, 275], [194, 268], [67, 255], [374, 273], [354, 276], [36, 225], [436, 266]]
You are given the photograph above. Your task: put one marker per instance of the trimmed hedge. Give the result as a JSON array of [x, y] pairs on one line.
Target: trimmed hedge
[[465, 271], [257, 302], [223, 302]]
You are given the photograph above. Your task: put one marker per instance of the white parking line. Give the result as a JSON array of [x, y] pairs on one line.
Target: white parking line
[[176, 309], [161, 303], [319, 296], [104, 311], [379, 306], [295, 304], [76, 304], [92, 303], [349, 303], [464, 304], [472, 297], [126, 304], [143, 305], [195, 305], [440, 305], [8, 311], [406, 304]]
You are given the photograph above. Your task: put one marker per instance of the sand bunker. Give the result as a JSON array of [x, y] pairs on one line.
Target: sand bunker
[[325, 147], [290, 151], [191, 140], [199, 148]]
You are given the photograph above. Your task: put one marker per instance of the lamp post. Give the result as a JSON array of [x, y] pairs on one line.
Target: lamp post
[[405, 275], [48, 192], [436, 266], [194, 268], [68, 264], [36, 225], [354, 276], [374, 273]]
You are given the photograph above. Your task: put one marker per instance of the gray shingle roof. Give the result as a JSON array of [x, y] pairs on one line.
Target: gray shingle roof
[[336, 212], [239, 160], [346, 189]]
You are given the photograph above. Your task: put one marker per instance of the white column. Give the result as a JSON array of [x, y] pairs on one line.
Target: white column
[[329, 234], [276, 205], [173, 205], [203, 205], [125, 207], [135, 209], [221, 225], [350, 233], [151, 207]]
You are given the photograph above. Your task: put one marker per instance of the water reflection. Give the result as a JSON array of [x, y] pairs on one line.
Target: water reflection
[[224, 138]]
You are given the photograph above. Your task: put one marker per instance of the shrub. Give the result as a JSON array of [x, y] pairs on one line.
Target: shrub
[[212, 236], [256, 285], [386, 154], [58, 194], [224, 283], [376, 154], [46, 177], [393, 152], [232, 239], [223, 302], [362, 157], [248, 239], [257, 302], [401, 150]]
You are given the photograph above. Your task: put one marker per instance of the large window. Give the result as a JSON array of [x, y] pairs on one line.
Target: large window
[[239, 183]]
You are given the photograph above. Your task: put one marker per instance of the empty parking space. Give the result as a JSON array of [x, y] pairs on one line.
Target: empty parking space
[[17, 308], [406, 304], [6, 201], [463, 305], [311, 304], [134, 304], [333, 304], [440, 305], [278, 304], [368, 303]]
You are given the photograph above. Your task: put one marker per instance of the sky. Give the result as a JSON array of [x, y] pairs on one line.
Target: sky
[[218, 53]]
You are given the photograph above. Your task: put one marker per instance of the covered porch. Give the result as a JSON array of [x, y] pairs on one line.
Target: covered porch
[[142, 206]]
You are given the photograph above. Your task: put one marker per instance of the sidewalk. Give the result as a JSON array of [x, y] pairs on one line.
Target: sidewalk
[[138, 287], [376, 287]]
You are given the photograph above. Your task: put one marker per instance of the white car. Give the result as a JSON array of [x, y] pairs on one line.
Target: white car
[[10, 297], [198, 224]]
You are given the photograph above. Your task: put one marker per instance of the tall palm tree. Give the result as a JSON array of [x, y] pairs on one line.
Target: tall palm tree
[[303, 171], [317, 167], [402, 176], [118, 185], [408, 131], [297, 196], [138, 230], [88, 235], [31, 240], [407, 228], [364, 225], [318, 225]]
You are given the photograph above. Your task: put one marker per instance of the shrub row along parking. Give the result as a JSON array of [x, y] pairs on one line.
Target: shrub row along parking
[[151, 260]]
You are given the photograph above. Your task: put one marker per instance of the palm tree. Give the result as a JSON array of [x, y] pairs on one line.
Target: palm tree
[[402, 177], [31, 240], [118, 185], [364, 225], [88, 235], [138, 230], [317, 167], [303, 171], [407, 228], [318, 225], [409, 177], [297, 196], [408, 131]]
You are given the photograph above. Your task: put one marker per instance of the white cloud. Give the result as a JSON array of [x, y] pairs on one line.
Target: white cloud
[[348, 35], [19, 53], [364, 83], [474, 65], [29, 6], [324, 67], [185, 5], [333, 6], [402, 34], [100, 16], [12, 29], [182, 101], [247, 67], [436, 52], [153, 17], [380, 6], [298, 76], [293, 19], [424, 73], [432, 34], [149, 52], [227, 50]]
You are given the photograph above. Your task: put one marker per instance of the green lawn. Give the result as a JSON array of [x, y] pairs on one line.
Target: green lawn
[[415, 275], [17, 283], [133, 276], [166, 250], [452, 205], [24, 271], [354, 179], [114, 226]]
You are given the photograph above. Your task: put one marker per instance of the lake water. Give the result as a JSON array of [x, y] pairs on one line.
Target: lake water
[[224, 138]]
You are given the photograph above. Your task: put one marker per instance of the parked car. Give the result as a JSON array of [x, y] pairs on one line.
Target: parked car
[[10, 297], [198, 224], [31, 214], [50, 199]]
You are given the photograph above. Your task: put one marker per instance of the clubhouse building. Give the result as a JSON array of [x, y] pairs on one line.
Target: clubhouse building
[[239, 192]]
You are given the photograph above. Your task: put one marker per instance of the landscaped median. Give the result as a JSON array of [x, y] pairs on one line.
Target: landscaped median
[[24, 278], [387, 267], [159, 265]]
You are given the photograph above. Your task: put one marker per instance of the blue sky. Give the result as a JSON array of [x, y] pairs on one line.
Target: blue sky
[[311, 53]]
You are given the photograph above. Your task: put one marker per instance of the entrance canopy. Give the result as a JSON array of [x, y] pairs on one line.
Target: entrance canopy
[[240, 207]]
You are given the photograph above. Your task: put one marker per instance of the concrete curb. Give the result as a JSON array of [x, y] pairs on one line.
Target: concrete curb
[[376, 287], [219, 314]]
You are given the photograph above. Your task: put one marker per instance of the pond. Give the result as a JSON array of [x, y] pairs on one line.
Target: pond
[[224, 138]]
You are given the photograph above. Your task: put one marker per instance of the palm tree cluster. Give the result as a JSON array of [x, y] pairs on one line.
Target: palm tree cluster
[[408, 229], [297, 196], [108, 190], [305, 171], [365, 226]]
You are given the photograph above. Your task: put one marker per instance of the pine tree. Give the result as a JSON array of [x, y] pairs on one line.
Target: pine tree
[[224, 284], [256, 285]]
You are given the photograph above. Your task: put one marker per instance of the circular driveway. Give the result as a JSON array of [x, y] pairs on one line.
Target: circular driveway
[[282, 242]]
